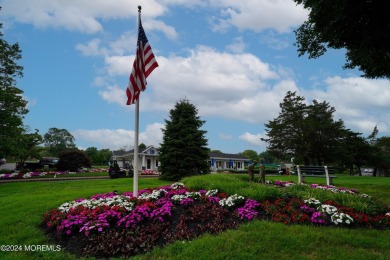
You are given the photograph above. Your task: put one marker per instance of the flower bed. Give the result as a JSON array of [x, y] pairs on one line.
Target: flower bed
[[112, 224], [330, 188], [26, 175]]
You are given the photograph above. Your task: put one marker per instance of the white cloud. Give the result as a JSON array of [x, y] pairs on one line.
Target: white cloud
[[119, 65], [225, 136], [92, 48], [98, 82], [238, 45], [361, 103], [274, 41], [235, 86], [279, 15], [76, 15], [156, 25], [254, 140], [116, 139], [114, 94]]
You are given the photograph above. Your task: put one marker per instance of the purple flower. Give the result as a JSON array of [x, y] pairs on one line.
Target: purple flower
[[249, 210], [187, 202], [213, 199], [305, 208], [319, 218]]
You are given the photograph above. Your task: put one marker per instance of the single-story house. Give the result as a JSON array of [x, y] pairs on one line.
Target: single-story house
[[222, 161], [147, 158]]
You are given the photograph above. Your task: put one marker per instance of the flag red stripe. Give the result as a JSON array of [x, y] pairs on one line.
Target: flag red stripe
[[144, 63]]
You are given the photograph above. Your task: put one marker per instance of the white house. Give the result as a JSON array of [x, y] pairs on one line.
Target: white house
[[147, 158], [221, 161]]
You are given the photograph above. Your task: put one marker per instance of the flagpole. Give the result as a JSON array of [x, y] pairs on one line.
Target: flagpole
[[135, 183], [135, 186]]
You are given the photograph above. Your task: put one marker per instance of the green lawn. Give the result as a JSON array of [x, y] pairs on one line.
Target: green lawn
[[22, 206]]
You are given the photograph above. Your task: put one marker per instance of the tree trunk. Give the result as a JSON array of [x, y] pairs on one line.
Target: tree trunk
[[374, 174]]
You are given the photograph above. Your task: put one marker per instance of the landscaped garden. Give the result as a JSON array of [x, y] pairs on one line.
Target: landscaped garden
[[188, 219], [49, 173]]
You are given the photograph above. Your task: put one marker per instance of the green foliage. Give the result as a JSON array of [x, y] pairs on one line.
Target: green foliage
[[183, 151], [309, 134], [58, 140], [251, 154], [268, 157], [361, 27], [12, 105], [72, 160], [27, 146], [382, 154], [98, 157], [233, 184], [263, 239]]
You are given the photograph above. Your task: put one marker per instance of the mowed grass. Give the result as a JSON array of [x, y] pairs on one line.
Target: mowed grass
[[22, 206]]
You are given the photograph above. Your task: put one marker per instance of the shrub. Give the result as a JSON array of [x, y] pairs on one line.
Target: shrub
[[72, 160], [4, 171]]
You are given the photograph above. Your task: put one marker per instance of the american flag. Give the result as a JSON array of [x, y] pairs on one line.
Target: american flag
[[143, 65]]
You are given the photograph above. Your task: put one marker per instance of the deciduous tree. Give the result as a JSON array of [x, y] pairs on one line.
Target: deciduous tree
[[12, 105], [58, 140], [361, 27]]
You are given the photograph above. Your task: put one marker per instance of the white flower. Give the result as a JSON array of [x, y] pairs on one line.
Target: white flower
[[118, 200], [155, 195], [193, 195], [177, 198], [328, 209], [312, 202], [212, 192], [177, 185], [231, 201], [341, 218]]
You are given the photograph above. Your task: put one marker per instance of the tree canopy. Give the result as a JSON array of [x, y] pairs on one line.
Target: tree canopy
[[251, 154], [58, 140], [12, 105], [73, 160], [308, 133], [183, 151], [361, 27]]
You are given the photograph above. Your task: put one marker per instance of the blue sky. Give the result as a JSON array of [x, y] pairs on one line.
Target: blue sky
[[234, 60]]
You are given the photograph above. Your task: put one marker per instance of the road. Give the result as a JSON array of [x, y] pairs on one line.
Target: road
[[8, 166]]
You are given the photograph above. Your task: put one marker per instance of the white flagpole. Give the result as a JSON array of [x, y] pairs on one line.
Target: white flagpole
[[135, 167], [135, 186]]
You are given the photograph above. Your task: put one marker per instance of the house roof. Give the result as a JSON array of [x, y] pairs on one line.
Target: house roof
[[227, 156], [127, 153]]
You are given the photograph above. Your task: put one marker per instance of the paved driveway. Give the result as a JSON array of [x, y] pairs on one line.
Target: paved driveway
[[8, 166]]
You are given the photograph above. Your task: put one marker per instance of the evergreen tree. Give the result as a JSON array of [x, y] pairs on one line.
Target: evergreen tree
[[286, 133], [184, 149], [308, 133], [323, 133], [383, 161]]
